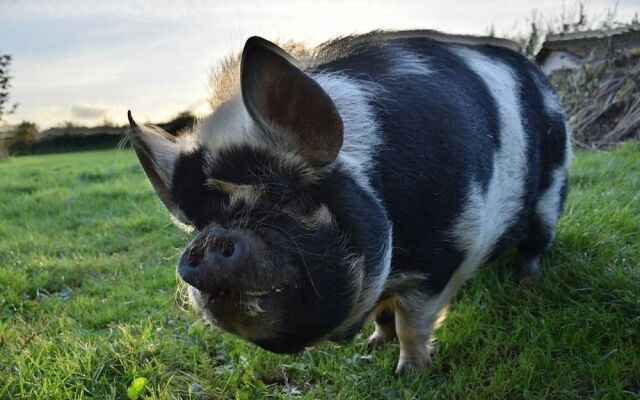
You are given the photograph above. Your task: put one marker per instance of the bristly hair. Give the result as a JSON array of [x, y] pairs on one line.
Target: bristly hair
[[353, 44], [224, 81]]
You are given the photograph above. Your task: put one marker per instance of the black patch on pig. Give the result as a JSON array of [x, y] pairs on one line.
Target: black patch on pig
[[315, 313], [198, 202]]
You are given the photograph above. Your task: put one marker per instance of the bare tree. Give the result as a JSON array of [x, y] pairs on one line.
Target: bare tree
[[5, 84], [574, 19]]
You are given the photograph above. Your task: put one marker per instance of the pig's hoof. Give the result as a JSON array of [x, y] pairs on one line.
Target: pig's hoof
[[383, 334], [414, 358], [530, 272], [376, 341], [407, 366]]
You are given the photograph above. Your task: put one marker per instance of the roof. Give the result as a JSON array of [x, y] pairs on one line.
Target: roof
[[561, 41], [6, 132], [594, 34]]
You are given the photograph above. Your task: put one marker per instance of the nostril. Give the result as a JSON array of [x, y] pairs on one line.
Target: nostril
[[224, 246], [195, 256]]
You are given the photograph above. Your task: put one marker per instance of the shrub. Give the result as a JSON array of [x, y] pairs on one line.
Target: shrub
[[23, 138]]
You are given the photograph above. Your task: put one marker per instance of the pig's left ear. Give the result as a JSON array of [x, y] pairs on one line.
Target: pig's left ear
[[157, 152], [278, 94]]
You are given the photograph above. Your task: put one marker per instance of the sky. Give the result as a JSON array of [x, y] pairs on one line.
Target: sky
[[87, 61]]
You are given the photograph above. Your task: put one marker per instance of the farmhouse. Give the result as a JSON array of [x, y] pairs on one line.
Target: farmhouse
[[6, 133], [566, 51]]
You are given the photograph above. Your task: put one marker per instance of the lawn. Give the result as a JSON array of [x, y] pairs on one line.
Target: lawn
[[89, 306]]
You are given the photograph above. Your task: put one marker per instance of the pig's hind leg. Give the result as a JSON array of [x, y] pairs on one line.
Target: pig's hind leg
[[542, 228], [538, 240]]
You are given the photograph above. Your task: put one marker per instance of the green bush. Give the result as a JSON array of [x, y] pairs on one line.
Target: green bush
[[24, 138]]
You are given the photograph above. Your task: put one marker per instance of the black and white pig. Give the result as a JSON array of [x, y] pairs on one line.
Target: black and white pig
[[371, 177]]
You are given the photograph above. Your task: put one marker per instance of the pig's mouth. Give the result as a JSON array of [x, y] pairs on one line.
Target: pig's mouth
[[253, 314], [248, 293]]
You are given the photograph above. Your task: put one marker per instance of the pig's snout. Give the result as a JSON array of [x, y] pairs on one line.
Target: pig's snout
[[212, 257]]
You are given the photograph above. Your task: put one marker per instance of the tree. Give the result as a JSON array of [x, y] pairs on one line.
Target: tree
[[23, 138], [182, 121], [5, 79]]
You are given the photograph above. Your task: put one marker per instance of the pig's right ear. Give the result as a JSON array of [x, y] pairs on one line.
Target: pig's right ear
[[157, 152], [280, 96]]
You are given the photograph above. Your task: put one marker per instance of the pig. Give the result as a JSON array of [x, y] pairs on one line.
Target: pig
[[367, 179]]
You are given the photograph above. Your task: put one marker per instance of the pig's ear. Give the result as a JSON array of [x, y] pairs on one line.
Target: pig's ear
[[157, 152], [278, 94]]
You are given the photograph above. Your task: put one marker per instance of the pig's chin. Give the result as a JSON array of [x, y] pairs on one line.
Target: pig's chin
[[252, 314]]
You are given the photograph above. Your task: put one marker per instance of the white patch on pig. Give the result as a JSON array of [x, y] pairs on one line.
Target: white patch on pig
[[361, 138], [230, 125], [487, 216], [548, 206]]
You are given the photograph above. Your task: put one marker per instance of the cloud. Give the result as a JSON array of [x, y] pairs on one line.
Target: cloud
[[88, 111], [103, 58]]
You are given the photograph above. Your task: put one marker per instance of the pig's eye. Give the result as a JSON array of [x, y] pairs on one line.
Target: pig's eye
[[299, 205]]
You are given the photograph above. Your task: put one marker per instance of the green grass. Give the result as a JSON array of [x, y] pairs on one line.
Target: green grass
[[88, 302]]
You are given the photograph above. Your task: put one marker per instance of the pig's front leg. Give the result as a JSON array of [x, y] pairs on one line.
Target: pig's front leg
[[385, 328], [416, 315]]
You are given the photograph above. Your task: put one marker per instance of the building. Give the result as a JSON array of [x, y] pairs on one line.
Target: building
[[6, 133], [569, 50]]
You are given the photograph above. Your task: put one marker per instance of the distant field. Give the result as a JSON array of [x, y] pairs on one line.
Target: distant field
[[88, 302]]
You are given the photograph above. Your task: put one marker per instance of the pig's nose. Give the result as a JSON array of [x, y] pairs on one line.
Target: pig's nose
[[213, 256]]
